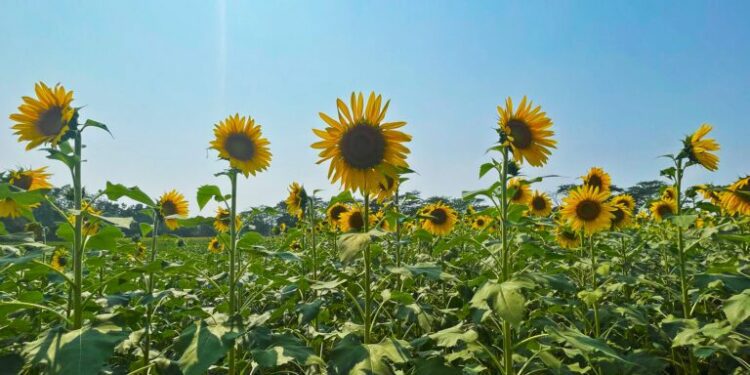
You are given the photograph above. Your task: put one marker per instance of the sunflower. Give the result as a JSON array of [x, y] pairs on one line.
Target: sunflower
[[215, 246], [334, 213], [382, 222], [737, 197], [362, 149], [625, 200], [282, 228], [540, 204], [30, 179], [353, 220], [521, 192], [170, 204], [663, 208], [623, 216], [470, 210], [90, 220], [642, 215], [528, 132], [239, 140], [669, 193], [45, 119], [140, 251], [222, 220], [59, 259], [441, 219], [297, 200], [10, 208], [699, 150], [481, 222], [296, 245], [709, 194], [567, 238], [387, 188], [587, 209], [598, 178]]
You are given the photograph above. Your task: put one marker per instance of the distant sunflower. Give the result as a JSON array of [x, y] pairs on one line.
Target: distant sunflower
[[296, 201], [567, 238], [46, 119], [222, 220], [625, 200], [470, 210], [481, 222], [296, 245], [140, 251], [663, 208], [598, 178], [215, 246], [30, 179], [737, 197], [387, 188], [710, 194], [353, 220], [239, 140], [440, 219], [90, 220], [669, 193], [170, 204], [587, 209], [540, 204], [623, 216], [362, 149], [59, 259], [382, 222], [333, 214], [528, 132], [521, 193], [699, 150], [10, 208]]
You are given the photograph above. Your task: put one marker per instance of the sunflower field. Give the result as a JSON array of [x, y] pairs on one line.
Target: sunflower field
[[507, 281]]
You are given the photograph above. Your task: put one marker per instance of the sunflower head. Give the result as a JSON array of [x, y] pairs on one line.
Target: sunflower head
[[215, 246], [140, 250], [519, 191], [387, 188], [736, 199], [527, 131], [10, 208], [30, 179], [567, 238], [669, 193], [362, 149], [296, 245], [586, 209], [45, 119], [172, 204], [333, 214], [622, 216], [598, 178], [481, 222], [540, 204], [223, 220], [626, 200], [353, 220], [663, 208], [60, 259], [296, 202], [440, 219], [239, 140], [382, 221], [90, 220], [709, 194], [699, 150], [470, 210]]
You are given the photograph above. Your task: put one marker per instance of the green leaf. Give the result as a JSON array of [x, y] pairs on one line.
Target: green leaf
[[82, 351], [737, 308], [504, 299], [145, 229], [98, 125], [201, 344], [351, 357], [484, 168], [122, 222], [450, 337], [250, 239], [429, 270], [308, 311], [117, 191], [683, 221], [273, 350], [351, 244], [584, 343], [68, 159], [208, 192], [105, 239]]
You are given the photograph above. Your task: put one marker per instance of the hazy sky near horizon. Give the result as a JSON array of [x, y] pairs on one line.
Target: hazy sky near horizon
[[623, 81]]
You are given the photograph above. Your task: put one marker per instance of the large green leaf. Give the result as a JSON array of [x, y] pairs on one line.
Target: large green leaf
[[117, 191], [201, 344], [350, 357], [272, 350], [737, 308], [208, 192], [431, 271]]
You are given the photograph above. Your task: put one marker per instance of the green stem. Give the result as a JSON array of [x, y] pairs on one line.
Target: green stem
[[368, 292], [149, 309], [681, 257], [232, 263], [507, 339], [77, 234], [314, 244], [597, 327], [398, 229]]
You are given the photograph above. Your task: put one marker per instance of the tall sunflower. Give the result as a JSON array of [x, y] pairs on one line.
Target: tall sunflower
[[30, 179], [528, 131], [170, 204], [540, 204], [222, 220], [297, 200], [567, 238], [663, 208], [626, 200], [481, 222], [353, 220], [239, 140], [699, 150], [361, 147], [587, 209], [521, 192], [59, 259], [737, 197], [333, 214], [440, 219], [598, 178], [46, 118], [623, 216], [215, 246]]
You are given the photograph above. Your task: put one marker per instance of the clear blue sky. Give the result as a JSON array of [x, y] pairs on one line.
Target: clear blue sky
[[623, 82]]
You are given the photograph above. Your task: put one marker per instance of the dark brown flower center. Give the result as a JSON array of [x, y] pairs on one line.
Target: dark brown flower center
[[480, 222], [568, 235], [588, 210], [62, 260], [240, 147], [356, 221], [664, 210], [336, 212], [439, 216], [520, 133], [539, 203], [363, 146], [23, 181], [50, 122], [619, 216], [168, 208], [594, 181]]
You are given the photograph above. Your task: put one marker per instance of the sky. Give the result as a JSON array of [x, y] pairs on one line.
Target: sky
[[623, 82]]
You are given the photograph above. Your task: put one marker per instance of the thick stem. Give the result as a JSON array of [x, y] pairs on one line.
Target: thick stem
[[77, 235], [597, 327], [149, 309], [398, 229], [681, 257], [232, 264], [507, 339], [368, 292]]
